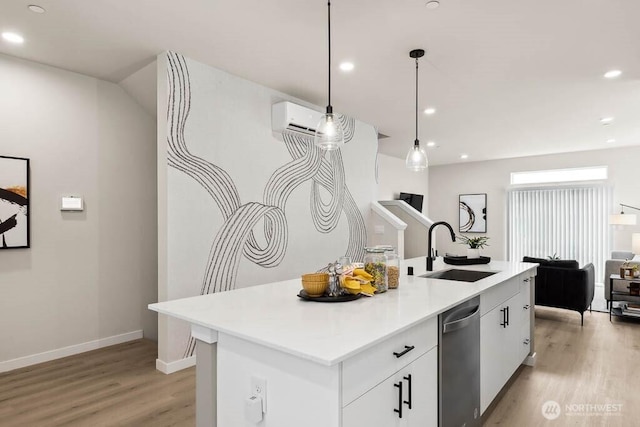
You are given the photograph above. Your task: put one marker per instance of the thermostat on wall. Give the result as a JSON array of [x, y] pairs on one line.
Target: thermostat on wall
[[71, 203]]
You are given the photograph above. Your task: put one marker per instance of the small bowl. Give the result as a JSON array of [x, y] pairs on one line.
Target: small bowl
[[316, 277], [315, 284]]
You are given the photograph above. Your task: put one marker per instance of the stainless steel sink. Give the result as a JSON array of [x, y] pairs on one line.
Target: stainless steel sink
[[460, 275]]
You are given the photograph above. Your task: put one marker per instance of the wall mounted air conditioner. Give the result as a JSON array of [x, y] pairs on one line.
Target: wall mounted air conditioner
[[295, 118]]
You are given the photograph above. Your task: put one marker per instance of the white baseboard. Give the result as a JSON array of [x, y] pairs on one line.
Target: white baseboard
[[21, 362], [178, 365]]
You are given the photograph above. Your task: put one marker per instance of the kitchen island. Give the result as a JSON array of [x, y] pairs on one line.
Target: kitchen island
[[333, 364]]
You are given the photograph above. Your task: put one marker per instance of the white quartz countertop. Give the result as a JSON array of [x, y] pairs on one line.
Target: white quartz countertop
[[328, 333]]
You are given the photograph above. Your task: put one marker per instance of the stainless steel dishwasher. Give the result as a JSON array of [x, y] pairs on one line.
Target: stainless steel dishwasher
[[459, 365]]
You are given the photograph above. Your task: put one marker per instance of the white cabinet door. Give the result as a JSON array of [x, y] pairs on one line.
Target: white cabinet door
[[424, 391], [526, 309], [512, 343], [379, 407], [492, 345], [375, 408]]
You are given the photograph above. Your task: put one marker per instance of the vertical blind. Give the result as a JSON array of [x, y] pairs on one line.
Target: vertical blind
[[570, 222]]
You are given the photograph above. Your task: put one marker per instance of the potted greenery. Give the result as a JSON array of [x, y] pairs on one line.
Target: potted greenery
[[474, 245]]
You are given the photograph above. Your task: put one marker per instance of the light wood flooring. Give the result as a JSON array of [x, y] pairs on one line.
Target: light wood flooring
[[114, 386], [119, 386]]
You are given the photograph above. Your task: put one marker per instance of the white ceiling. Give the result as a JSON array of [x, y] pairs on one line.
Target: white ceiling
[[509, 78]]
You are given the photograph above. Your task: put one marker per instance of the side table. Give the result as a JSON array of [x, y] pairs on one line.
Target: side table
[[619, 296]]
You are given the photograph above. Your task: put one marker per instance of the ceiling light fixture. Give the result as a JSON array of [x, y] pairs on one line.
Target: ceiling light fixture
[[329, 133], [36, 9], [416, 158], [612, 74], [464, 156], [347, 66], [13, 37], [434, 4], [429, 111], [606, 120], [431, 144]]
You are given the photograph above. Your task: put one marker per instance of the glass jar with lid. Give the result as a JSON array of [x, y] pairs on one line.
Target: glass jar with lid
[[393, 267], [375, 263]]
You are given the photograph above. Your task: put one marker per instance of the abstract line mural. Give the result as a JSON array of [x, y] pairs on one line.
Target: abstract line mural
[[236, 238], [14, 203]]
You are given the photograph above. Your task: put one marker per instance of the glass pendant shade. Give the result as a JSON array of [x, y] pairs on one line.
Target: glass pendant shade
[[329, 133], [416, 159]]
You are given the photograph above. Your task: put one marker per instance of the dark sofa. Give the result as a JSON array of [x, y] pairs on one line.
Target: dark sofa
[[561, 284]]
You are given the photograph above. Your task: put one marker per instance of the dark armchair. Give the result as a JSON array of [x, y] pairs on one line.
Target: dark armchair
[[561, 284]]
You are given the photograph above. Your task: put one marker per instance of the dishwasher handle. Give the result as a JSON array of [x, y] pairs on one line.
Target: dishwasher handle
[[460, 323]]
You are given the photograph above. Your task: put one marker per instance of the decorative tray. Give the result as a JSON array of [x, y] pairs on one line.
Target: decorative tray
[[324, 298], [463, 260]]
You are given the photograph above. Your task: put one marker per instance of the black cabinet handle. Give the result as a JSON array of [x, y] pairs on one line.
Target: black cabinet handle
[[408, 402], [526, 307], [399, 410], [526, 280], [507, 315], [504, 317], [407, 349]]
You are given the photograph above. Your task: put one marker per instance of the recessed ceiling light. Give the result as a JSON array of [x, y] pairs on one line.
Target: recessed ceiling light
[[36, 9], [429, 111], [434, 4], [431, 144], [612, 74], [464, 156], [606, 120], [611, 140], [13, 37], [347, 66]]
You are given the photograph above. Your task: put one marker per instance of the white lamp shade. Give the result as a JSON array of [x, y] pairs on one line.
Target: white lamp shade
[[622, 219], [329, 133], [416, 159], [635, 243]]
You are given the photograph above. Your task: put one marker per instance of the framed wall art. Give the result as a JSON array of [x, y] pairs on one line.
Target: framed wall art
[[14, 203], [473, 213]]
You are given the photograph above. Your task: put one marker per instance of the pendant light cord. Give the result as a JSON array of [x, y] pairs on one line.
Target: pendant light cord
[[329, 108], [416, 141]]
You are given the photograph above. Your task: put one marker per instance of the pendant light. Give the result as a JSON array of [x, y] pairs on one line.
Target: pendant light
[[329, 133], [416, 158]]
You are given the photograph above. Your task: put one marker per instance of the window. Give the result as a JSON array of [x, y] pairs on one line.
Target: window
[[570, 222], [559, 175]]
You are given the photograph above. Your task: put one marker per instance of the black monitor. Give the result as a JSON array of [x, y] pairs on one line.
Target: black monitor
[[414, 200]]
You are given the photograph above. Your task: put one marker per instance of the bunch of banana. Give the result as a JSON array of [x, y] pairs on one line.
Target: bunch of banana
[[357, 281]]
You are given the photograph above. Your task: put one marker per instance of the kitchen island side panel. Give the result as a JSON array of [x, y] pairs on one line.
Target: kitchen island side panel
[[299, 392]]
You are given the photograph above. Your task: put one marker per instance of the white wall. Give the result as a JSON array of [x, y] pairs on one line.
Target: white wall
[[226, 175], [394, 178], [493, 177], [87, 276]]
